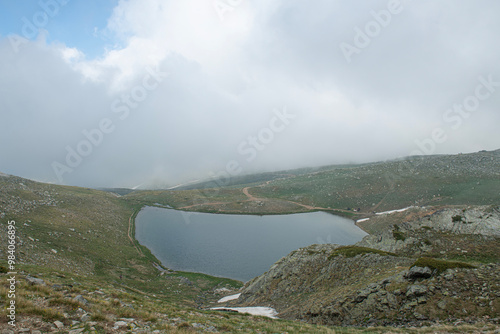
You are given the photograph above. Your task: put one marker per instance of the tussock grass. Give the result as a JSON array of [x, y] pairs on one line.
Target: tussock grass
[[440, 265], [352, 251]]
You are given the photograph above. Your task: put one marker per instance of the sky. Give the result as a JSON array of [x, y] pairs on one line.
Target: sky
[[108, 93]]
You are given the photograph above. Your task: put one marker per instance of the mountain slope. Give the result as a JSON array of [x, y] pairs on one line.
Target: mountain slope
[[371, 283], [355, 191]]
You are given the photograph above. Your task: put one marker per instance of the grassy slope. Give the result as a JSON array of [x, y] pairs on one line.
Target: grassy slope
[[88, 231], [470, 179], [462, 179], [98, 251]]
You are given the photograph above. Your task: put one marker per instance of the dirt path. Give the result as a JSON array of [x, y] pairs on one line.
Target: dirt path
[[378, 204], [309, 207], [252, 198], [130, 236]]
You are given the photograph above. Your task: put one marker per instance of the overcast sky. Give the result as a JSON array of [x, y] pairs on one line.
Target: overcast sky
[[120, 93]]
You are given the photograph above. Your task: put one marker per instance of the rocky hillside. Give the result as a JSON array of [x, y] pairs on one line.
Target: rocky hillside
[[407, 275], [462, 179]]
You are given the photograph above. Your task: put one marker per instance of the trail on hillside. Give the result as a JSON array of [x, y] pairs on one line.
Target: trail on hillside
[[130, 236], [252, 198]]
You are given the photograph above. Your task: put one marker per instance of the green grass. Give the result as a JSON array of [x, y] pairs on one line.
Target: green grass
[[88, 229], [352, 251], [393, 184], [440, 265]]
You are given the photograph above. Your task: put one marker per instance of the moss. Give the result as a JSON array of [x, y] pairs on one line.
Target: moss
[[352, 251], [399, 235], [440, 265]]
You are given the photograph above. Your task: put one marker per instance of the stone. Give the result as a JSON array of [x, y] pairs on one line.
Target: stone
[[85, 317], [419, 316], [119, 324], [82, 300], [76, 331], [441, 304], [419, 272], [35, 281], [416, 290], [449, 277], [422, 300], [186, 281], [58, 324]]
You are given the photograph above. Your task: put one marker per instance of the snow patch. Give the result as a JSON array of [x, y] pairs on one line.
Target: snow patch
[[228, 298], [257, 310], [362, 220], [392, 211]]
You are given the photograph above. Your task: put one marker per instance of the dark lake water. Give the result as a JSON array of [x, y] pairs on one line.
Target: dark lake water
[[235, 246]]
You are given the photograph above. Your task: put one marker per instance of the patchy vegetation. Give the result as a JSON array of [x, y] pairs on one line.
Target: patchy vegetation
[[96, 278], [352, 251], [440, 265]]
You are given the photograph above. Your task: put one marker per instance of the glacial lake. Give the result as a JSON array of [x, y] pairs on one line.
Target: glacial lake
[[240, 247]]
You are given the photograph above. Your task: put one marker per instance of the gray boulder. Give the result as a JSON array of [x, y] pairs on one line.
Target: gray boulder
[[419, 272], [416, 290], [35, 281]]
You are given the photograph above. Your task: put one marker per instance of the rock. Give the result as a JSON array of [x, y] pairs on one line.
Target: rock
[[34, 331], [7, 331], [449, 276], [119, 324], [416, 290], [184, 280], [419, 316], [419, 272], [35, 281], [410, 304], [422, 300], [85, 317], [441, 304], [58, 324], [76, 331], [82, 300]]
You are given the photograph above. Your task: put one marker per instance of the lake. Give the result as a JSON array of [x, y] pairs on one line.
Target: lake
[[240, 247]]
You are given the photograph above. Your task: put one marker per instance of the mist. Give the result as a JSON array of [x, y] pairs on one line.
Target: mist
[[194, 89]]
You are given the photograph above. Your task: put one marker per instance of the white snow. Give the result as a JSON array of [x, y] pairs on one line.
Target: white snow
[[257, 310], [362, 220], [228, 298], [392, 211]]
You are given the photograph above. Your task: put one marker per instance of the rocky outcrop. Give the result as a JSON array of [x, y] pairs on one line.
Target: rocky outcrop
[[416, 237], [342, 286]]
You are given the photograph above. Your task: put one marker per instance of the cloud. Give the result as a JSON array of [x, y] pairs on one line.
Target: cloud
[[226, 79]]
